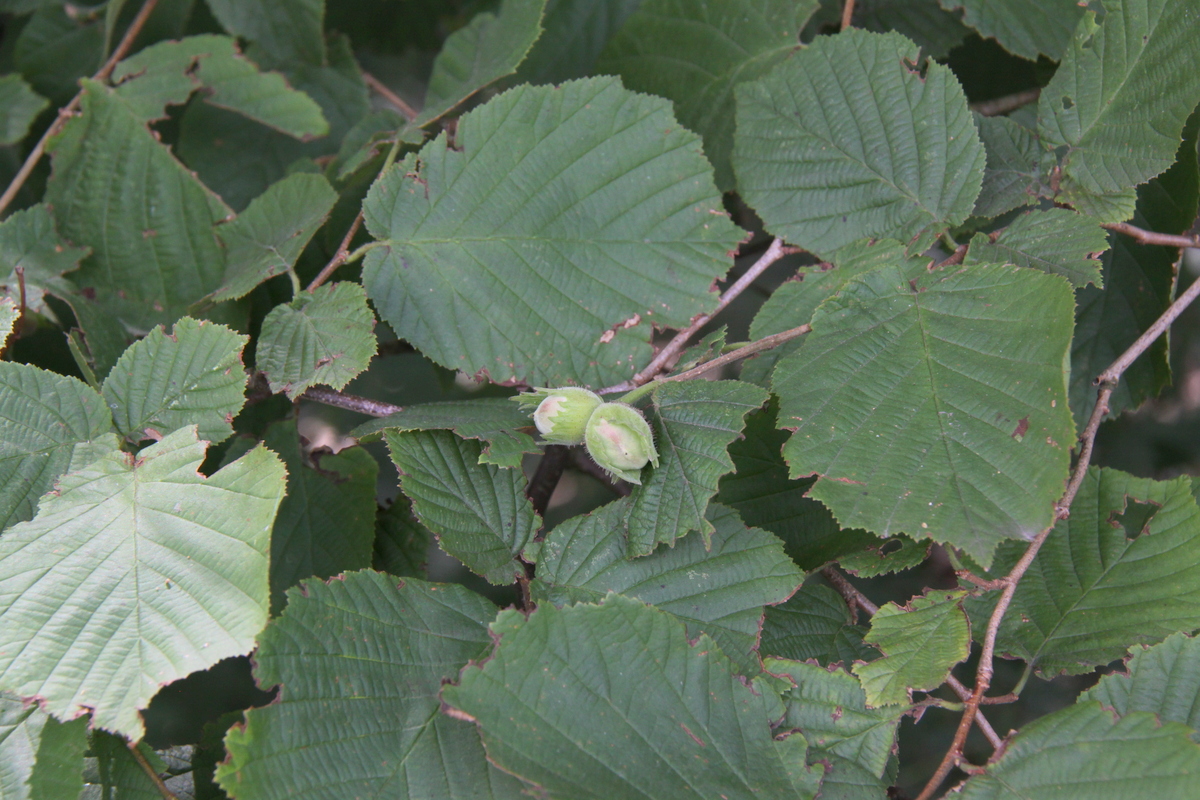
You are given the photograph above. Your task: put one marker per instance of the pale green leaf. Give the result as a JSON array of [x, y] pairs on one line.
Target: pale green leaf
[[401, 543], [287, 31], [478, 512], [40, 757], [814, 623], [117, 189], [1121, 96], [619, 704], [135, 573], [1028, 28], [359, 662], [497, 421], [1017, 168], [694, 52], [1095, 588], [1081, 751], [830, 709], [44, 419], [845, 141], [694, 423], [194, 376], [563, 224], [326, 524], [934, 404], [574, 34], [9, 314], [1057, 240], [1163, 679], [325, 337], [266, 239], [719, 590], [19, 107], [920, 643], [168, 72], [490, 47]]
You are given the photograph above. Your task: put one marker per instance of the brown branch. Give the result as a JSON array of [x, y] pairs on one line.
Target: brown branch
[[1107, 381], [847, 13], [363, 405], [1003, 105], [956, 257], [340, 256], [546, 476], [397, 102], [149, 770], [67, 111], [667, 357], [584, 463], [1143, 236], [765, 343]]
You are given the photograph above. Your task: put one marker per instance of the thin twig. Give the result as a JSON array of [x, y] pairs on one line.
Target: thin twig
[[960, 252], [1143, 236], [149, 770], [546, 476], [1107, 382], [1003, 105], [847, 13], [381, 88], [670, 353], [363, 405], [70, 108], [340, 256]]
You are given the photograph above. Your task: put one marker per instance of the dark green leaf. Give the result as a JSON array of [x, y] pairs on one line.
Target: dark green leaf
[[123, 541], [610, 700], [1028, 28], [1056, 240], [923, 21], [40, 757], [694, 52], [1017, 169], [719, 590], [695, 421], [543, 246], [574, 34], [19, 107], [55, 49], [28, 240], [934, 404], [360, 661], [1164, 679], [920, 643], [479, 512], [194, 376], [846, 141], [494, 420], [286, 31], [401, 543], [882, 557], [814, 623]]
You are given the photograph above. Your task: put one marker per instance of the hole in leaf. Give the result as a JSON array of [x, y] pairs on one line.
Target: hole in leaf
[[1068, 103], [1135, 519]]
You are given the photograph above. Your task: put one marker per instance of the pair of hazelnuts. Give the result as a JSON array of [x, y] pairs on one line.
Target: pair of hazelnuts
[[616, 435]]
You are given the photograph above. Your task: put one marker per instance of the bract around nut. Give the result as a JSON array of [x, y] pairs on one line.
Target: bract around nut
[[619, 439], [561, 415]]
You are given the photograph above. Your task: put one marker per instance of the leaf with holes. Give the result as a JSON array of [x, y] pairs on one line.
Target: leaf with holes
[[1163, 679], [123, 541]]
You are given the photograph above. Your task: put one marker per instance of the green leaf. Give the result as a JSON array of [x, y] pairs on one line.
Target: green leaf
[[326, 336], [40, 757], [619, 704], [55, 49], [760, 491], [28, 240], [830, 709], [194, 376], [168, 72], [45, 419], [478, 512], [1017, 169], [964, 431], [814, 624], [286, 31], [920, 643], [694, 52], [494, 420], [694, 422], [1095, 588], [401, 543], [846, 141], [266, 239], [118, 190], [574, 32], [9, 314], [563, 224], [1027, 28], [124, 541], [19, 107], [882, 557], [923, 21], [1163, 679], [116, 773], [719, 590], [360, 661], [326, 524], [490, 47], [1127, 80], [1081, 751], [1056, 240]]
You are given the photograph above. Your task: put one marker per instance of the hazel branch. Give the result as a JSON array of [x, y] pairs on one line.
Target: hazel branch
[[1003, 105], [396, 101], [363, 405], [1143, 236]]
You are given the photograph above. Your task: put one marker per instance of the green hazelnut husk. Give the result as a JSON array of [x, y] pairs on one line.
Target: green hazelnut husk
[[619, 439], [561, 415]]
